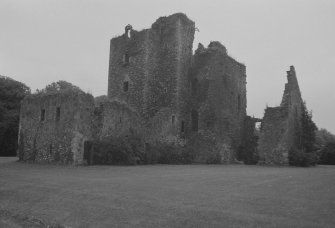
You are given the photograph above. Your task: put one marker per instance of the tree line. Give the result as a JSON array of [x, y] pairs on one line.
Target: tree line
[[314, 146]]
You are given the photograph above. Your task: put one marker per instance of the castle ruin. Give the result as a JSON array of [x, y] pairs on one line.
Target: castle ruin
[[158, 89], [279, 124]]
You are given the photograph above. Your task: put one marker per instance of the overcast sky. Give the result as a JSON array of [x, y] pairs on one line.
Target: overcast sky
[[44, 41]]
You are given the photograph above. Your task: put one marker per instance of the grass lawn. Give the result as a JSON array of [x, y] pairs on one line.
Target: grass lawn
[[169, 195]]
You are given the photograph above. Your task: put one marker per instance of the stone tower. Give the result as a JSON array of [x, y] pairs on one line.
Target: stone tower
[[148, 69]]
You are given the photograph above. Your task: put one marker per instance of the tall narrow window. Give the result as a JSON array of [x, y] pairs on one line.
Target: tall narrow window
[[125, 86], [58, 114], [173, 119], [182, 129], [195, 118], [42, 114], [126, 58]]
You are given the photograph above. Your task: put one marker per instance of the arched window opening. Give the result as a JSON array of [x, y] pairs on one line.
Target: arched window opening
[[195, 120], [128, 29]]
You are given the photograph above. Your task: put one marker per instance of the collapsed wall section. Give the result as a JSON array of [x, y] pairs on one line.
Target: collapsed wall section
[[280, 124]]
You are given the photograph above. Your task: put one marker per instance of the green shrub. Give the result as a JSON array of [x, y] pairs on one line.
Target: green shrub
[[214, 158], [118, 151], [301, 158], [249, 155], [168, 153], [204, 148], [327, 154]]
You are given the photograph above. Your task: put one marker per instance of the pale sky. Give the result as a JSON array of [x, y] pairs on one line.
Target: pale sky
[[43, 41]]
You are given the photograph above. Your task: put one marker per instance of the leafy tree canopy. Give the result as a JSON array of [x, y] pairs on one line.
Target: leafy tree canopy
[[60, 86], [11, 94], [323, 137], [305, 152]]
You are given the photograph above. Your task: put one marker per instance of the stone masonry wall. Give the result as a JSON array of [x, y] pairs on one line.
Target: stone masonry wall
[[119, 120], [218, 94], [279, 124], [148, 71], [55, 138]]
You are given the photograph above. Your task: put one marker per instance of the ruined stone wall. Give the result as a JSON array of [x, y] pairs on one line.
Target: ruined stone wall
[[273, 147], [218, 93], [278, 130], [58, 135], [118, 119], [156, 73]]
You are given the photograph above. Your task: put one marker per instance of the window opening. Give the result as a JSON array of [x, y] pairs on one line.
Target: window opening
[[58, 114], [128, 29], [125, 86], [42, 114], [182, 126], [126, 58], [173, 119]]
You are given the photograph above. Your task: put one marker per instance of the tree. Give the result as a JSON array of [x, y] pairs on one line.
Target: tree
[[327, 154], [60, 86], [11, 94], [323, 137], [305, 152], [325, 144]]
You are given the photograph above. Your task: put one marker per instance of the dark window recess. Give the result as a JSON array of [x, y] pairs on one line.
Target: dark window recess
[[58, 114], [120, 119], [182, 129], [195, 118], [42, 114], [50, 148], [125, 86], [126, 59], [173, 119]]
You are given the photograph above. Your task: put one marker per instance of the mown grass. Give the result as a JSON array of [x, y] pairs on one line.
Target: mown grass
[[170, 195]]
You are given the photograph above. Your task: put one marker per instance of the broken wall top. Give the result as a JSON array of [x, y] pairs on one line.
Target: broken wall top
[[292, 94]]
